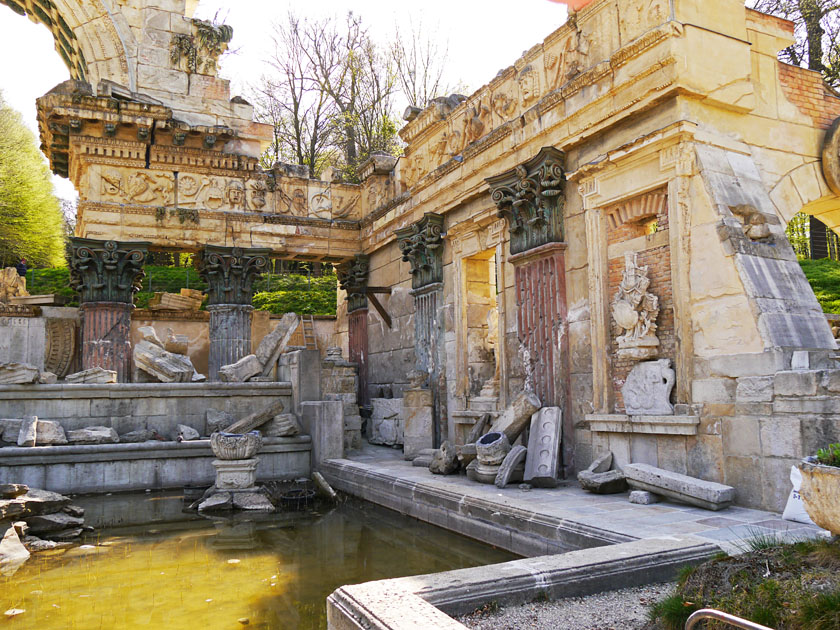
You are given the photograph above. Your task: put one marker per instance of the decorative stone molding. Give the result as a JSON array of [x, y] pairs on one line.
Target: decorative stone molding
[[421, 244], [106, 271], [60, 346], [230, 272], [649, 205], [530, 197], [655, 425], [353, 277], [635, 310]]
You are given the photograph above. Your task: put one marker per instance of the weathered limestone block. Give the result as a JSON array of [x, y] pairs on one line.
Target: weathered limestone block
[[174, 302], [444, 461], [12, 552], [252, 502], [466, 454], [10, 429], [257, 419], [48, 378], [95, 375], [542, 467], [50, 432], [416, 414], [479, 428], [164, 366], [517, 416], [135, 437], [186, 433], [11, 285], [643, 497], [12, 490], [492, 448], [385, 423], [147, 333], [67, 534], [705, 494], [217, 420], [513, 460], [28, 431], [18, 374], [275, 342], [176, 344], [610, 482], [93, 435], [236, 474], [240, 371], [56, 522], [281, 425], [647, 390], [35, 501]]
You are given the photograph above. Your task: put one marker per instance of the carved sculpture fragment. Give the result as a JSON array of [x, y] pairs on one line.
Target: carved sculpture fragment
[[421, 245], [635, 310], [647, 390], [353, 278]]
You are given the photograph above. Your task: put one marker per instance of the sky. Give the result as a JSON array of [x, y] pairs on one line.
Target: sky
[[482, 37]]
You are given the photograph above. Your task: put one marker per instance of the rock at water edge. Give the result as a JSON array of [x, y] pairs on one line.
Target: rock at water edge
[[217, 502], [35, 501], [12, 490], [12, 552], [56, 522], [252, 501]]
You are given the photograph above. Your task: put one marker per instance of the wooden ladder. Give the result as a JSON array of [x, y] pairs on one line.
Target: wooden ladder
[[308, 324]]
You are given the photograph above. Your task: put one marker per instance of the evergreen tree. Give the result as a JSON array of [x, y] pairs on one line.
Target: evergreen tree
[[31, 222]]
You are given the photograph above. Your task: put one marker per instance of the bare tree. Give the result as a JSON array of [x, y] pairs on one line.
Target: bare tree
[[420, 63]]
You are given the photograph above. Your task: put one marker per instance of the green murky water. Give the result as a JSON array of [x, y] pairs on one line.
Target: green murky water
[[170, 570]]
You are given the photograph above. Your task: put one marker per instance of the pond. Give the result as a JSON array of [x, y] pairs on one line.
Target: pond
[[162, 568]]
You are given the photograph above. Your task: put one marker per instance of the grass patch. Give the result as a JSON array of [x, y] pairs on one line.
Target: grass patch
[[673, 611], [824, 277]]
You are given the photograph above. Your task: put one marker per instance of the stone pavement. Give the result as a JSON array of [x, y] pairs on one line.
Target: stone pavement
[[728, 528]]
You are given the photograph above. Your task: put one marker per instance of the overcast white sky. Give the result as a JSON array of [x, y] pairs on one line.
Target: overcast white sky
[[483, 37]]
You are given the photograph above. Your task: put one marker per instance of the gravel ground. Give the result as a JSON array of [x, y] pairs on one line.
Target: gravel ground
[[614, 610]]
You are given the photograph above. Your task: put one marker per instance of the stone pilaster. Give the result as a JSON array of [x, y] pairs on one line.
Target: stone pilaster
[[230, 273], [106, 275], [421, 244], [353, 277]]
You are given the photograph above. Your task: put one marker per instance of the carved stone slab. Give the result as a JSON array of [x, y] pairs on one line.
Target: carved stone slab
[[647, 390], [543, 462], [512, 461]]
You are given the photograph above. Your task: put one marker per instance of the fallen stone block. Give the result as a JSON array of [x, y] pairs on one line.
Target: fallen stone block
[[18, 374], [47, 378], [176, 344], [93, 435], [257, 419], [705, 494], [602, 463], [281, 425], [512, 461], [10, 429], [56, 522], [542, 466], [164, 366], [252, 502], [147, 333], [186, 433], [610, 482], [49, 433], [12, 490], [643, 497], [478, 429], [466, 454], [240, 371], [424, 458], [517, 416], [217, 420], [28, 431], [140, 435], [34, 502], [9, 508], [275, 342], [444, 461], [95, 375], [12, 552], [221, 501]]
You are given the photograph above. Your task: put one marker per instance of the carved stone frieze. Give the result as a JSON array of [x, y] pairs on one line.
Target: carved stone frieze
[[421, 244], [107, 271], [353, 277], [60, 346], [230, 272], [530, 197], [635, 310]]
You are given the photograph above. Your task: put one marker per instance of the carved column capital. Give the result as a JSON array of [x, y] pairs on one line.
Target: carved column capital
[[421, 244], [230, 272], [530, 197], [106, 271], [353, 277]]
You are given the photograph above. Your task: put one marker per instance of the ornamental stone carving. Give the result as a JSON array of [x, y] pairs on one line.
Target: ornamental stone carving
[[230, 272], [421, 245], [647, 390], [530, 197], [353, 277], [106, 271], [635, 310]]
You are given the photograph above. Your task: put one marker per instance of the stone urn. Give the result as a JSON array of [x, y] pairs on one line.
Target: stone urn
[[229, 446], [492, 448], [820, 492]]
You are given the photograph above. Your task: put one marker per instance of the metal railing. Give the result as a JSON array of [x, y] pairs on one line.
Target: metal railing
[[732, 620]]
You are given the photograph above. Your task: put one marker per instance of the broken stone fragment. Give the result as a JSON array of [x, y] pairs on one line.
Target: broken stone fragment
[[35, 501], [275, 342], [466, 454], [18, 374], [492, 448], [47, 378], [166, 367], [10, 429], [252, 501], [478, 429], [602, 463], [176, 344], [512, 461], [95, 375], [217, 420], [56, 522], [74, 510], [611, 482], [517, 416], [49, 432], [445, 460], [28, 431], [12, 490], [257, 419], [218, 502], [147, 333], [240, 371], [12, 552], [93, 435], [186, 433], [643, 497], [35, 544], [704, 494], [281, 425], [140, 435], [67, 534]]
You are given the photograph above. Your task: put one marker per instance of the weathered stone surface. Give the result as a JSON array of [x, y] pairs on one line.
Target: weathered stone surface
[[56, 522], [542, 466], [445, 460], [140, 435], [49, 432], [466, 454], [482, 473], [416, 415], [147, 333], [67, 534], [176, 344], [751, 389], [323, 487], [48, 378], [35, 544], [281, 425], [240, 371], [18, 374], [257, 419], [602, 463], [236, 474], [186, 433], [221, 501], [512, 460], [34, 502], [643, 497], [635, 310], [93, 435], [252, 502], [164, 366], [218, 420], [516, 417], [275, 342], [647, 390], [74, 510], [478, 429], [422, 461], [12, 490], [93, 375], [492, 448], [28, 431], [12, 552], [385, 424], [705, 494], [610, 482], [10, 429]]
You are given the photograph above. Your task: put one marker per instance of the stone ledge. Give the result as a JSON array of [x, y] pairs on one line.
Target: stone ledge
[[657, 425], [142, 390]]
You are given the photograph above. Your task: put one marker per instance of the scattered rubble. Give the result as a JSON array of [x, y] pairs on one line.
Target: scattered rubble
[[599, 479], [18, 374]]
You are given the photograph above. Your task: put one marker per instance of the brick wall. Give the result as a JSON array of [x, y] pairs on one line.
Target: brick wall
[[806, 89]]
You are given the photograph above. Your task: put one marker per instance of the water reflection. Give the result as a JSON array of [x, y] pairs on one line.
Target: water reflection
[[274, 571]]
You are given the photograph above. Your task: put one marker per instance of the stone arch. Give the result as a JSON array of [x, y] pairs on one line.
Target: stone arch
[[804, 189], [93, 39]]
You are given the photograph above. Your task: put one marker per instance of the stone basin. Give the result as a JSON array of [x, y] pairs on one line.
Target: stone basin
[[228, 446], [820, 493], [491, 448]]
